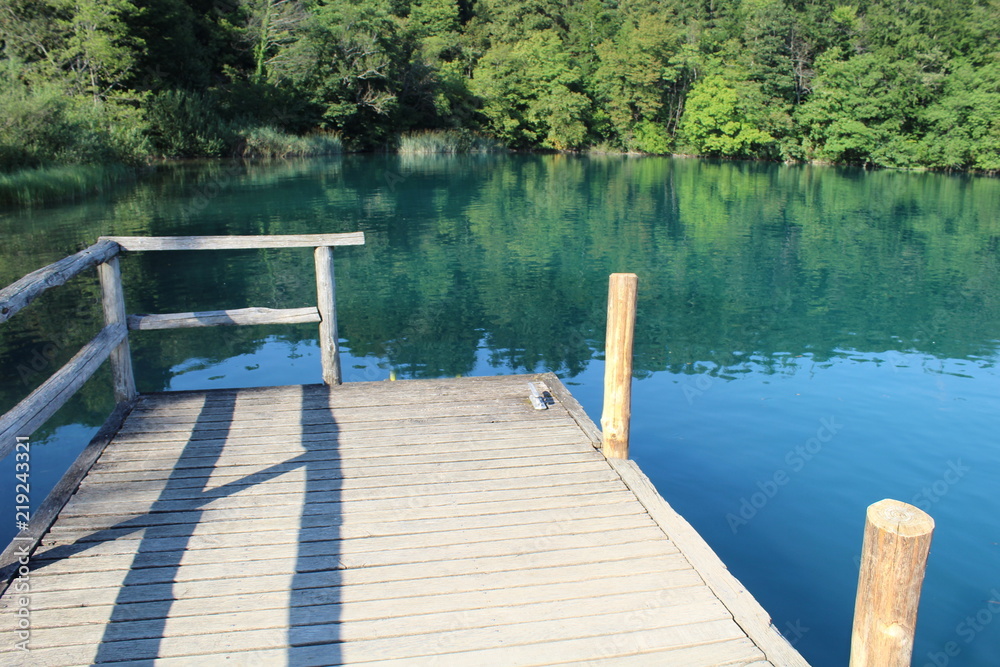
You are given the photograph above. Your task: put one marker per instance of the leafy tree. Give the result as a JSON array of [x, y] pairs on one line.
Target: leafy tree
[[875, 82], [434, 18], [904, 28], [981, 37], [637, 83], [965, 122], [724, 118], [434, 84], [590, 22], [863, 110], [178, 46], [42, 125], [345, 58], [85, 44], [511, 21], [270, 26], [764, 49], [30, 31], [530, 93], [99, 50]]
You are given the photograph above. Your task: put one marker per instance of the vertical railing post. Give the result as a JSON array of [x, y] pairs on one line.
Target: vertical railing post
[[622, 293], [113, 302], [893, 559], [326, 303]]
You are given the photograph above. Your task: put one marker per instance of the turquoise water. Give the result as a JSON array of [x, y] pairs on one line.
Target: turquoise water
[[809, 340]]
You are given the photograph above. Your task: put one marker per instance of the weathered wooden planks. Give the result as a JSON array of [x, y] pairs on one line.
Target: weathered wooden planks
[[439, 522], [60, 494], [748, 613]]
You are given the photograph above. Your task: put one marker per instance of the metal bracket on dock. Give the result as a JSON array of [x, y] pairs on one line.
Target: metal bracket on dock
[[540, 396]]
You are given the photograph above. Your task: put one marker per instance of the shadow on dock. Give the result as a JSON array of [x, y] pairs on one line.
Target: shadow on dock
[[138, 623], [314, 605]]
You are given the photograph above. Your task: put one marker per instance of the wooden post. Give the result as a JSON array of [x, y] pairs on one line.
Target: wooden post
[[894, 556], [326, 303], [113, 301], [622, 292]]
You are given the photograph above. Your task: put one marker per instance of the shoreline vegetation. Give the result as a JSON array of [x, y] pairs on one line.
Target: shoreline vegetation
[[68, 182], [49, 184], [868, 83], [59, 184]]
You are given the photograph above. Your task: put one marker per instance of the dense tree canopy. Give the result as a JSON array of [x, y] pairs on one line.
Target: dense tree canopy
[[868, 82]]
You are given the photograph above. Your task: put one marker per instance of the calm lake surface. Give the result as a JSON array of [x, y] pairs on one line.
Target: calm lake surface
[[809, 340]]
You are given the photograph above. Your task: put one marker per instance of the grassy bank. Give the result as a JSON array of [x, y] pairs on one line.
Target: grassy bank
[[34, 186]]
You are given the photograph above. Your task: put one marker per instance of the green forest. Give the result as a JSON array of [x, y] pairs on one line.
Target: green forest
[[880, 83]]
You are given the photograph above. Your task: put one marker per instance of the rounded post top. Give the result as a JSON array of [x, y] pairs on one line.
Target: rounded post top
[[900, 518]]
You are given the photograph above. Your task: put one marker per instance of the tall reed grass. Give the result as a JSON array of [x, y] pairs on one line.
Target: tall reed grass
[[447, 142], [269, 142]]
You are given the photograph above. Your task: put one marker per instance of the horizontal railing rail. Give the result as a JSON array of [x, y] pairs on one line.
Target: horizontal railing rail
[[213, 318], [136, 243], [16, 296], [52, 394]]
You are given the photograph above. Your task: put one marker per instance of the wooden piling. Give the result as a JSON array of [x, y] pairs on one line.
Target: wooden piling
[[113, 300], [894, 557], [326, 303], [622, 293]]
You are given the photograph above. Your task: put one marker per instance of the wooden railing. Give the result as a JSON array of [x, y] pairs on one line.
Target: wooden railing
[[112, 341]]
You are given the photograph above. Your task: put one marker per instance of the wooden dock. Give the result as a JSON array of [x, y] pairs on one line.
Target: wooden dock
[[443, 522]]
